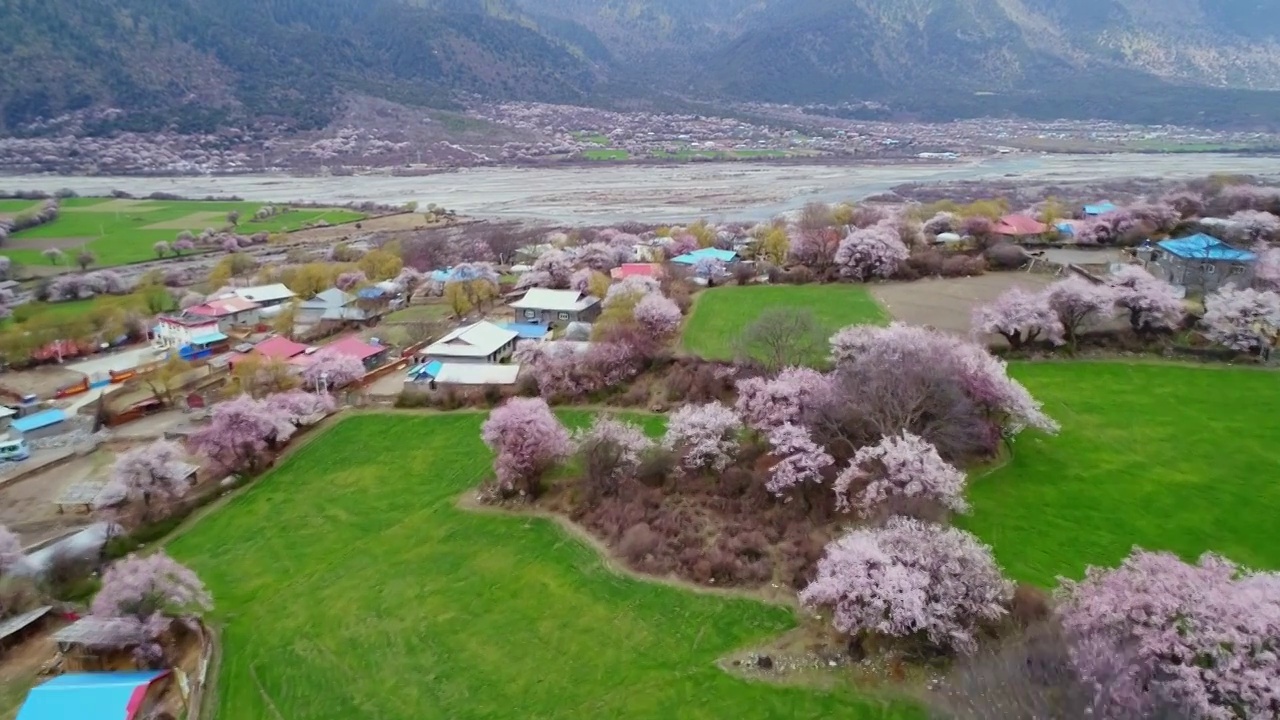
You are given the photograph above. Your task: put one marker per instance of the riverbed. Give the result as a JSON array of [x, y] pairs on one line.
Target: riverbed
[[608, 194]]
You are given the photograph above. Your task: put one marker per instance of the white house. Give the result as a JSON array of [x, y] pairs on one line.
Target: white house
[[482, 342], [266, 295], [176, 332], [540, 305]]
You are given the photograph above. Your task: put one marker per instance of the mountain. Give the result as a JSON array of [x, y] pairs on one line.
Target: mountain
[[202, 64]]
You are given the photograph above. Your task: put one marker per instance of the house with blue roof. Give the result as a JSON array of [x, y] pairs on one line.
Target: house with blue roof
[[724, 256], [1099, 209], [41, 424], [1202, 263], [96, 696]]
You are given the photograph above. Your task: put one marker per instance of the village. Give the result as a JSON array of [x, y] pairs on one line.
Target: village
[[683, 397]]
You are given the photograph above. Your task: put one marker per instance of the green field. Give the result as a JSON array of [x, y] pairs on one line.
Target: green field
[[1175, 458], [606, 154], [429, 312], [13, 207], [350, 585], [690, 154], [122, 231], [720, 314]]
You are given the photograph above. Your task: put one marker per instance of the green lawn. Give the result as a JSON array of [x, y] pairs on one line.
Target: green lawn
[[1177, 458], [15, 206], [420, 313], [119, 231], [720, 314], [606, 154], [351, 586]]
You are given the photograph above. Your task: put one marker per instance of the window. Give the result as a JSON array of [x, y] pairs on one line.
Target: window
[[562, 316], [1208, 268], [531, 314], [1237, 270]]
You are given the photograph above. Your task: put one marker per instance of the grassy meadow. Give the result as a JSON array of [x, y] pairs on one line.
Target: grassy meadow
[[123, 231], [720, 314], [1177, 458], [350, 584]]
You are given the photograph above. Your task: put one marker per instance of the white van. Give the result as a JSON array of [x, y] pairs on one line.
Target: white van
[[14, 450]]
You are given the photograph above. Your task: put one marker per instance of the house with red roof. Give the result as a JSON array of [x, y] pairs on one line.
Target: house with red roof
[[626, 270], [227, 311], [1017, 225], [371, 355]]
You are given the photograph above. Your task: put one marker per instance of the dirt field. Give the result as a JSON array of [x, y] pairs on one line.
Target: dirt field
[[401, 221], [46, 243], [27, 508], [948, 304], [43, 380]]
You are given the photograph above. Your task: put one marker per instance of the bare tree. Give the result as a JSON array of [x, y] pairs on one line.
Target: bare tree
[[782, 337]]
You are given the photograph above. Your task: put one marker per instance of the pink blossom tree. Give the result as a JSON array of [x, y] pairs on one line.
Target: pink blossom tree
[[705, 436], [710, 269], [1241, 319], [630, 291], [602, 257], [1020, 316], [1153, 304], [580, 280], [558, 267], [148, 477], [161, 248], [183, 245], [1080, 304], [1159, 632], [350, 280], [611, 452], [1266, 270], [1255, 226], [910, 578], [332, 370], [301, 407], [240, 433], [902, 474], [532, 279], [816, 249], [11, 552], [528, 440], [659, 316], [682, 244], [151, 591], [800, 460], [874, 252], [768, 403], [1187, 203]]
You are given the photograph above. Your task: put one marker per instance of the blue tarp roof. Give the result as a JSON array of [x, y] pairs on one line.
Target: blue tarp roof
[[42, 419], [206, 338], [1205, 247], [430, 369], [1099, 209], [89, 696], [713, 253], [440, 275], [370, 293], [1066, 228], [528, 331]]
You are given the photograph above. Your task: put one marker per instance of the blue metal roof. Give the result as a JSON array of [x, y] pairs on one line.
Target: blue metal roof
[[527, 331], [1205, 247], [430, 369], [440, 275], [89, 696], [1099, 209], [1066, 228], [42, 419], [370, 293], [705, 253], [206, 338]]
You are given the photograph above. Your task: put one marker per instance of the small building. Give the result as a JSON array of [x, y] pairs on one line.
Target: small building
[[626, 270], [332, 305], [547, 307], [1018, 226], [43, 424], [1101, 208], [96, 696], [6, 416], [174, 332], [1203, 263], [724, 256], [371, 356], [19, 628], [266, 295], [227, 311], [480, 343], [278, 348], [527, 331]]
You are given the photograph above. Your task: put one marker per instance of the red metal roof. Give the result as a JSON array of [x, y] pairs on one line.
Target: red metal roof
[[354, 347], [223, 307], [627, 270], [1018, 225], [279, 348]]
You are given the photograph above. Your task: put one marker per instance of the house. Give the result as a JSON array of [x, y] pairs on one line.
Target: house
[[332, 305], [1202, 263], [175, 332], [43, 424], [278, 348], [227, 311], [724, 256], [266, 295], [626, 270], [6, 415], [550, 306], [438, 373], [371, 356], [96, 696], [482, 342], [1099, 209], [1020, 226]]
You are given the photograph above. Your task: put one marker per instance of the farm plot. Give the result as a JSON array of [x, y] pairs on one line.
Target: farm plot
[[350, 584], [947, 303], [1177, 458], [121, 231], [721, 314]]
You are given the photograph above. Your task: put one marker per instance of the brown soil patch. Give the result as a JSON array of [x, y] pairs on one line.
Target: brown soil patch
[[46, 243], [118, 205], [42, 380], [947, 304], [386, 223], [202, 219], [26, 506]]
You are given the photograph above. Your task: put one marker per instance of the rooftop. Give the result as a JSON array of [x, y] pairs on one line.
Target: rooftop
[[706, 253], [222, 307], [1018, 225], [90, 696], [479, 340], [556, 300], [278, 348], [265, 293], [476, 374], [353, 347], [42, 419], [1205, 247]]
